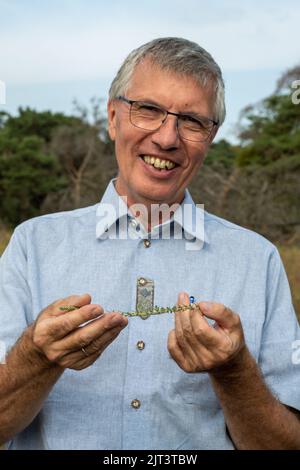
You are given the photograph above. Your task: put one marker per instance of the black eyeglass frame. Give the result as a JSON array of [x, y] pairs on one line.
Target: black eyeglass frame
[[178, 115]]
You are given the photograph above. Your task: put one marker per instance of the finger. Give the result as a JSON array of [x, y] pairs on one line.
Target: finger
[[176, 352], [202, 330], [174, 347], [183, 327], [77, 360], [225, 317], [193, 328], [61, 326], [101, 343], [92, 352], [184, 331], [77, 300], [87, 334]]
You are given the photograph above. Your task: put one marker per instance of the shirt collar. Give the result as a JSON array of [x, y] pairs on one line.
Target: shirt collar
[[189, 216]]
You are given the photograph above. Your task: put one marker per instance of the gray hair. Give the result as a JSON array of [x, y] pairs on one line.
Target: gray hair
[[176, 55]]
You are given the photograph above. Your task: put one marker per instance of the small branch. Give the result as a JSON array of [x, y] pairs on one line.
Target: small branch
[[156, 311]]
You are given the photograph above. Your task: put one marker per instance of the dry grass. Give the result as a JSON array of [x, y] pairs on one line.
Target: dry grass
[[5, 235], [290, 255]]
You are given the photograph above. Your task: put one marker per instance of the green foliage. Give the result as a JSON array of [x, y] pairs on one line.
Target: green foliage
[[30, 122], [28, 170], [271, 133], [221, 153], [27, 175], [51, 162]]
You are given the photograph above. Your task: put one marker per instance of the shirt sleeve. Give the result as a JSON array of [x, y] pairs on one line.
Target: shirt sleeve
[[278, 358], [15, 296]]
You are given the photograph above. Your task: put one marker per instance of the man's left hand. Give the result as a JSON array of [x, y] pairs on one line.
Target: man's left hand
[[196, 345]]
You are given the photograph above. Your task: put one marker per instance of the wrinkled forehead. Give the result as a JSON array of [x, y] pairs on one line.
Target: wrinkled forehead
[[170, 88], [148, 69]]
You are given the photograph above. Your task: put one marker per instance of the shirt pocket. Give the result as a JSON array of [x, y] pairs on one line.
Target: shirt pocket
[[196, 388], [188, 388]]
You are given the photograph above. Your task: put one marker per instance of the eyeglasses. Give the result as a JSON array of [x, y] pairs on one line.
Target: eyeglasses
[[150, 117]]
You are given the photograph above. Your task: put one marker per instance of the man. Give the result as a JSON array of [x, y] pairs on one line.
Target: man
[[220, 376]]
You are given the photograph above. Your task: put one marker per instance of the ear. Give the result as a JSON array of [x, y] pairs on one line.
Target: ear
[[111, 119]]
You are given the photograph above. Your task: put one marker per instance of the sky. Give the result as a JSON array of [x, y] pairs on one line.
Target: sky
[[55, 51]]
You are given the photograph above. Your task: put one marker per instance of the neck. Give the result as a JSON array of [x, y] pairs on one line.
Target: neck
[[148, 212]]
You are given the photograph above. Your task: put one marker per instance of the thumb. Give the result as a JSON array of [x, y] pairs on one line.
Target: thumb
[[218, 312]]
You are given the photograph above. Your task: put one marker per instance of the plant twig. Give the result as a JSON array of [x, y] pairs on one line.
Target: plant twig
[[139, 313]]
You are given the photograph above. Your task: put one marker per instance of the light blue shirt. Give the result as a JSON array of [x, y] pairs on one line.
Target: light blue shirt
[[56, 255]]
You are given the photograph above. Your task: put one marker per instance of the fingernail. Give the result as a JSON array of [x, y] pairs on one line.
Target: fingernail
[[116, 321], [95, 311], [182, 297], [206, 307]]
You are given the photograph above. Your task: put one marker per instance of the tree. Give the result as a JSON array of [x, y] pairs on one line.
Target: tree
[[29, 122], [27, 174], [287, 78], [77, 149], [27, 169], [221, 153], [270, 130], [51, 162], [256, 184], [86, 156]]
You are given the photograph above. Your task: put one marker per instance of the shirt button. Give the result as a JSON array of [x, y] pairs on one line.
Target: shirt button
[[147, 243], [133, 223], [142, 281], [136, 404], [140, 345]]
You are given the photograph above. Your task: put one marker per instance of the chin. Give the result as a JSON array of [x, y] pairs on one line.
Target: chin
[[158, 196]]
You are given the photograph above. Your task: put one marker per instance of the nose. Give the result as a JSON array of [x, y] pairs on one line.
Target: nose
[[167, 137]]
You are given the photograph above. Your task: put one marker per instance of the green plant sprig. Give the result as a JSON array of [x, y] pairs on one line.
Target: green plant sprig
[[139, 313], [159, 310]]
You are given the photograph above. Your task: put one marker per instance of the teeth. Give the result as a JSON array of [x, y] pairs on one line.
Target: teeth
[[158, 163]]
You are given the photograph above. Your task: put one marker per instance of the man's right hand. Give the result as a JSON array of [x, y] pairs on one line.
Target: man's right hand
[[59, 338]]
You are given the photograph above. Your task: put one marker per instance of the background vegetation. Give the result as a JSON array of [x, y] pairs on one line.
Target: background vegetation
[[51, 162]]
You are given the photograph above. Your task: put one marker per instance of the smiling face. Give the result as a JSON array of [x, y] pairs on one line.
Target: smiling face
[[140, 181]]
